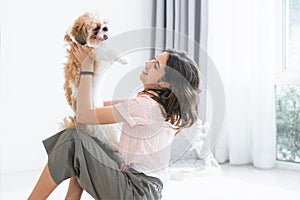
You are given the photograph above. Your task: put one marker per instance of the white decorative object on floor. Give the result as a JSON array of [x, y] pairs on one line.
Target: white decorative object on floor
[[187, 154]]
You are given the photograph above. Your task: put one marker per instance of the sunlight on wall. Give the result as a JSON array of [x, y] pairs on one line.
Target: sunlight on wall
[[32, 55]]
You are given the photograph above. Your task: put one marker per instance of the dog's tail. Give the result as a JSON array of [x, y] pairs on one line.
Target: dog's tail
[[68, 93]]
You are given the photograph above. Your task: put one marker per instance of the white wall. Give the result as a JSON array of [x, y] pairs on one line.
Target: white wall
[[32, 54]]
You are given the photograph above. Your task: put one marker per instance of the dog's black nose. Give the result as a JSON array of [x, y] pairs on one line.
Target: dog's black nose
[[105, 28]]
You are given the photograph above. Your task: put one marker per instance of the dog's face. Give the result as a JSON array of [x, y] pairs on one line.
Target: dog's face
[[90, 29]]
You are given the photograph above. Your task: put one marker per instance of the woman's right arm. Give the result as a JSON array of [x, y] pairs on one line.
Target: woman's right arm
[[86, 113]]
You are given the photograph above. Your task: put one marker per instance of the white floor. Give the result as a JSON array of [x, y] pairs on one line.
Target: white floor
[[235, 183], [238, 183]]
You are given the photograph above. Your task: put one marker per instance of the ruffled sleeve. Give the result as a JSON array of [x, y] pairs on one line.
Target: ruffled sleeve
[[135, 111]]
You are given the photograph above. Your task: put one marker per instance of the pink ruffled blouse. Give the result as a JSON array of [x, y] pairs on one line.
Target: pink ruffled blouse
[[146, 138]]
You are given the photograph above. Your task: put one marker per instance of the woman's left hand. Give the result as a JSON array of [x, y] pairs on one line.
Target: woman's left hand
[[83, 57]]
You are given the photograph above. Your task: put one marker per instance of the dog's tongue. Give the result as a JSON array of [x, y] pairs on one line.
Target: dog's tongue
[[105, 37]]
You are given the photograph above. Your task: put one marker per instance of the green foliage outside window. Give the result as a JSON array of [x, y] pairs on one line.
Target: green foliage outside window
[[288, 122]]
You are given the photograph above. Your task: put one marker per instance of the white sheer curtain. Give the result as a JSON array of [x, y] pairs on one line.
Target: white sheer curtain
[[244, 42]]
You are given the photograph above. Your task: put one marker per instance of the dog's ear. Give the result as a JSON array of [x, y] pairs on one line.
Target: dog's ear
[[79, 32]]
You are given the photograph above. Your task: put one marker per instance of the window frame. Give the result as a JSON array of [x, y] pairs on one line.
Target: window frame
[[286, 73], [285, 76]]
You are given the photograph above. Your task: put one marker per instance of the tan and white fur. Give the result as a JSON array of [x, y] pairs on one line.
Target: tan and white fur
[[90, 30]]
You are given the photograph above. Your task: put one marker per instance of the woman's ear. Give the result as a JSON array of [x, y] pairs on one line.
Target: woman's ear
[[163, 84]]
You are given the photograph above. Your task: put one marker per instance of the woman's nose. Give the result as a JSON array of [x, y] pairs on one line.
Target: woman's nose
[[147, 64], [150, 62]]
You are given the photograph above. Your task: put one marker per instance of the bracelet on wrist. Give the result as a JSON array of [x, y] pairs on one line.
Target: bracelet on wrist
[[87, 73]]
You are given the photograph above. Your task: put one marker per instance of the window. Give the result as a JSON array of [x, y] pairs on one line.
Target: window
[[287, 89], [292, 35], [288, 122]]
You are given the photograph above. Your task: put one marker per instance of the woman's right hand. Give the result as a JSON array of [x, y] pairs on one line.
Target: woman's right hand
[[83, 57]]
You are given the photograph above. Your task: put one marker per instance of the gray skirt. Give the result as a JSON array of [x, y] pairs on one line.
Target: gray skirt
[[72, 152]]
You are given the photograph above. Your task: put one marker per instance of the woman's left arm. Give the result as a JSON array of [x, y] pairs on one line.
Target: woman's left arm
[[112, 102], [86, 113]]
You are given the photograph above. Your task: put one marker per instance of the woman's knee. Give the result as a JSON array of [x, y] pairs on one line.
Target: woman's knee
[[72, 133]]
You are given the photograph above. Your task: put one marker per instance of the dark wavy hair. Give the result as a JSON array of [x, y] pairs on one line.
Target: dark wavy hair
[[180, 96]]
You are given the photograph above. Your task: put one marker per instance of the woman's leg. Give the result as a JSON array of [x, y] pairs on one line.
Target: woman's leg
[[44, 186], [74, 153], [74, 190]]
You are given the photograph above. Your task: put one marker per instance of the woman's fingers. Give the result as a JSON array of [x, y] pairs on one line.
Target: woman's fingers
[[74, 46], [79, 52], [83, 57]]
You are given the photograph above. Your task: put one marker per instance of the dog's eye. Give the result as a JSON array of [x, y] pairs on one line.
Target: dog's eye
[[96, 29]]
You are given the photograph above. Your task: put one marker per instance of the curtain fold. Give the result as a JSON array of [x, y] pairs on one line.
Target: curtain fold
[[244, 43], [185, 25]]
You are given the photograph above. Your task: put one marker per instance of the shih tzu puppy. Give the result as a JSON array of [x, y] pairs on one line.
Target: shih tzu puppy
[[91, 31]]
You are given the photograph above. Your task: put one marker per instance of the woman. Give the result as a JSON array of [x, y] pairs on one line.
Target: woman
[[150, 121]]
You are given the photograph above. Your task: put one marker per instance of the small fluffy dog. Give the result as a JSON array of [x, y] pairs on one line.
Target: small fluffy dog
[[91, 31]]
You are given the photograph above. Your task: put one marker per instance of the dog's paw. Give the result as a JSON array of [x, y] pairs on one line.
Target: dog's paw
[[67, 122], [124, 60]]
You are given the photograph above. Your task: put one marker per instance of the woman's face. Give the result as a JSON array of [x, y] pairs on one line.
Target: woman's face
[[154, 70]]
